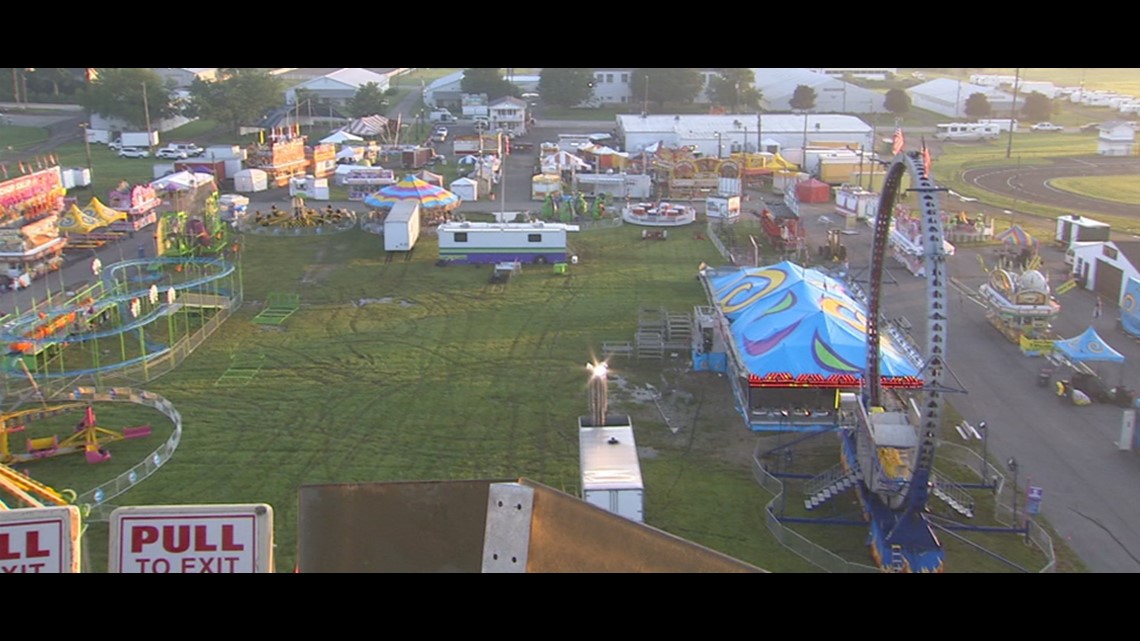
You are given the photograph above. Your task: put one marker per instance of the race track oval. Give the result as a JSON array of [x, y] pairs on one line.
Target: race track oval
[[1031, 182]]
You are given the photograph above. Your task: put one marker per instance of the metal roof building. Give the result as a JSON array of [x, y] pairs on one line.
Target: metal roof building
[[735, 132], [948, 97], [832, 94]]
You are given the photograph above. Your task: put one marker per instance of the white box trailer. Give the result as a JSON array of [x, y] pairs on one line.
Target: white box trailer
[[139, 139], [402, 226], [610, 469], [1074, 228]]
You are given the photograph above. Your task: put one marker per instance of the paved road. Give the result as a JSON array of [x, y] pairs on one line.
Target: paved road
[[1089, 484], [1031, 182]]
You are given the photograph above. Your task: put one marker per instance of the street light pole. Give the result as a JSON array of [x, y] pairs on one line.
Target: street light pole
[[1012, 464], [87, 148], [985, 448]]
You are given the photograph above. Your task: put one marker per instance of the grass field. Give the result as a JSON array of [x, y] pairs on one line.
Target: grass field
[[1108, 188], [408, 371]]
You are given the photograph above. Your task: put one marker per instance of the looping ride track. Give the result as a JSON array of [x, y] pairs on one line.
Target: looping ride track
[[902, 538]]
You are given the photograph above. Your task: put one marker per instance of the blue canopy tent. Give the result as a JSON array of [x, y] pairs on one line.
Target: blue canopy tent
[[788, 319], [1088, 347], [1083, 349]]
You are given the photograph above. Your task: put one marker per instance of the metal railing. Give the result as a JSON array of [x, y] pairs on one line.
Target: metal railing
[[93, 503], [804, 548]]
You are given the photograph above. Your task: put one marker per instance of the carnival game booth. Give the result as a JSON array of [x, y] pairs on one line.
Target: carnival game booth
[[906, 241], [30, 244], [364, 180], [139, 202], [1021, 307], [281, 159], [543, 185], [794, 339]]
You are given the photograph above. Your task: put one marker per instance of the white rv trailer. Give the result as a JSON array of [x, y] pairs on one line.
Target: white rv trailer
[[537, 242], [966, 131]]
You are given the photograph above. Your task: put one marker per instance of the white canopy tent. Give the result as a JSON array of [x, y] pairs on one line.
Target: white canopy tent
[[340, 137], [562, 161]]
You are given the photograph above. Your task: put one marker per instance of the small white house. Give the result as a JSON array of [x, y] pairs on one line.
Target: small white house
[[1116, 139], [465, 188], [509, 114]]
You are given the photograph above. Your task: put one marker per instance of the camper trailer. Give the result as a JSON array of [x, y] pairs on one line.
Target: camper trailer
[[538, 242], [966, 131]]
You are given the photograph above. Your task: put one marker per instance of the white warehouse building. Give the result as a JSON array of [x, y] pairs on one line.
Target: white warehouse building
[[721, 135], [948, 97]]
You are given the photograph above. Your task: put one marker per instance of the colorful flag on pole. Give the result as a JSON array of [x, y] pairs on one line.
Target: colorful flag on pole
[[899, 141], [925, 157]]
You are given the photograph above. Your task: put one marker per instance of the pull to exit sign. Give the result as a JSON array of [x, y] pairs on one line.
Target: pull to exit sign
[[192, 539], [39, 540]]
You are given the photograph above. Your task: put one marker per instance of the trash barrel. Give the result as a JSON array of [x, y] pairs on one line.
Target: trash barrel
[[1043, 376]]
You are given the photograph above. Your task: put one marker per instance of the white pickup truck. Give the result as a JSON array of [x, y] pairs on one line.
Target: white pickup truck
[[1047, 126]]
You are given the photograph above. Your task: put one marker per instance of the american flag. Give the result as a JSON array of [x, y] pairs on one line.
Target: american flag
[[899, 141]]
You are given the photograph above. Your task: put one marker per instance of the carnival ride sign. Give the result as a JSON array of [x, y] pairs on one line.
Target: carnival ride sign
[[192, 539], [39, 540]]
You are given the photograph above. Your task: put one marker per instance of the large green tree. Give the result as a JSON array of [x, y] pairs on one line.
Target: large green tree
[[487, 80], [803, 98], [896, 101], [240, 96], [369, 99], [665, 84], [734, 88], [978, 105], [1037, 106], [118, 93], [565, 86]]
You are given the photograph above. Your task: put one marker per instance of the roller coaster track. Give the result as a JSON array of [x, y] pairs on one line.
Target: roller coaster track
[[18, 330], [934, 371]]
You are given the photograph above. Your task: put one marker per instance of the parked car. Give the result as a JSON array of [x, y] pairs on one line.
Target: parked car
[[1047, 126], [171, 154], [133, 152], [440, 134], [1091, 127], [188, 147]]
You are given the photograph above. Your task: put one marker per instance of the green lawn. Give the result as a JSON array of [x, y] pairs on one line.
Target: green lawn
[[16, 139], [1106, 187], [409, 371]]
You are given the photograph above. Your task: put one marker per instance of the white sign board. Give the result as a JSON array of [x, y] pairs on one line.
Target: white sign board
[[39, 540], [192, 539]]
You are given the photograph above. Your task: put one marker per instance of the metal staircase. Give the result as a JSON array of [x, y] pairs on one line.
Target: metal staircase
[[829, 485], [953, 495]]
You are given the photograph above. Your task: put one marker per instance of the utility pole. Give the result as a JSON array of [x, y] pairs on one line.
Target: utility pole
[[1013, 110], [645, 100], [146, 110], [87, 148]]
